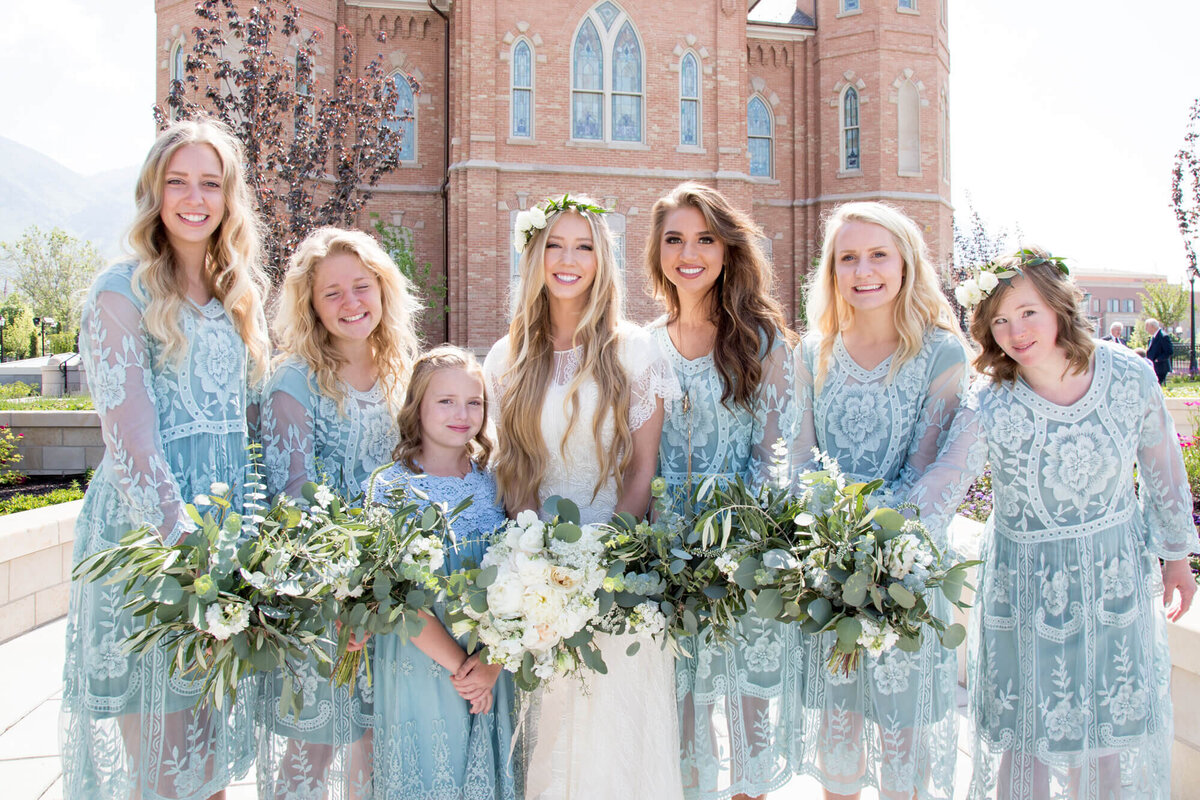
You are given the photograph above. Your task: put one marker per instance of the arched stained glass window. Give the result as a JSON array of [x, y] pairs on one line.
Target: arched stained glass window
[[909, 128], [850, 142], [607, 102], [758, 126], [178, 63], [627, 86], [406, 112], [587, 101], [689, 100], [522, 90]]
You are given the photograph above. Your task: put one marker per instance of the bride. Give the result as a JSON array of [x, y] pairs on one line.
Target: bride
[[579, 395]]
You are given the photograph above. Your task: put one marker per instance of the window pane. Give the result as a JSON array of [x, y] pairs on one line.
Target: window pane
[[589, 61], [178, 64], [689, 128], [406, 111], [909, 4], [850, 109], [522, 74], [687, 77], [627, 61], [758, 121], [627, 118], [849, 5], [521, 115], [608, 12], [760, 157], [586, 120], [852, 148]]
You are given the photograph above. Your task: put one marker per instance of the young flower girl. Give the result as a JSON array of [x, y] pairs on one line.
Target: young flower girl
[[443, 723], [1070, 692]]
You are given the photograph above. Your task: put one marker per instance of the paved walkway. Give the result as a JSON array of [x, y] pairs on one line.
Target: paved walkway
[[30, 769]]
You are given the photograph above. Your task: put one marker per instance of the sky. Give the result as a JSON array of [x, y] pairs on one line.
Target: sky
[[1065, 116]]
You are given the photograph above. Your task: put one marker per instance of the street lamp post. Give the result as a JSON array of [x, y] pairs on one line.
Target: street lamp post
[[42, 322], [2, 322], [1193, 273]]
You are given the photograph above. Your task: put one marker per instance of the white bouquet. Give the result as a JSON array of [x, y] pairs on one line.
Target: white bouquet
[[534, 600]]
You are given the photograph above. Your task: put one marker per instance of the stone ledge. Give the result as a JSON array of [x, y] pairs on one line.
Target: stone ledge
[[35, 566]]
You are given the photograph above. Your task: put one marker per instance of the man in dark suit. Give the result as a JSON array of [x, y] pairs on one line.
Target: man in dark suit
[[1114, 334], [1159, 350]]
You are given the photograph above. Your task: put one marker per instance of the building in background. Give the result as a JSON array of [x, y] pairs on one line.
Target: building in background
[[790, 107]]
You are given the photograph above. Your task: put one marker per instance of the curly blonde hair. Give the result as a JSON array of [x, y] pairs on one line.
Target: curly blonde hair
[[919, 306], [521, 453], [1062, 296], [299, 332], [233, 264], [409, 419]]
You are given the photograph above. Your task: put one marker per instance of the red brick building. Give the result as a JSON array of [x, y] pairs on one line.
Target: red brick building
[[790, 107]]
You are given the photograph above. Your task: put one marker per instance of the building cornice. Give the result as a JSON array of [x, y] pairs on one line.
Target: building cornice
[[619, 172], [784, 33], [845, 197], [390, 5]]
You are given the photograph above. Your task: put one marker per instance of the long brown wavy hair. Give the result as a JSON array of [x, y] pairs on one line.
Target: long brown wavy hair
[[233, 264], [747, 316], [521, 453], [918, 307], [409, 419], [299, 332], [1063, 297]]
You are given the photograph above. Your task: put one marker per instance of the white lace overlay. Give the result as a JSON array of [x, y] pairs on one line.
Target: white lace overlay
[[618, 736]]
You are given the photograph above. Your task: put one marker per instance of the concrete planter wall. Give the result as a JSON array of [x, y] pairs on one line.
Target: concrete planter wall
[[35, 566], [56, 442], [1181, 412]]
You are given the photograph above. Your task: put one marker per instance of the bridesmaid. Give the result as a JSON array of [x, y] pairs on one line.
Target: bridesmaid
[[729, 345], [345, 329], [579, 393], [171, 342], [879, 379], [1070, 683]]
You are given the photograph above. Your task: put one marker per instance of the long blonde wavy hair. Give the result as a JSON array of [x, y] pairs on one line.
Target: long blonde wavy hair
[[522, 454], [919, 306], [233, 265], [299, 332], [445, 356]]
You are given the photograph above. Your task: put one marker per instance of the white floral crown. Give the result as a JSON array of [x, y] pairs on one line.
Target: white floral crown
[[971, 292], [534, 219]]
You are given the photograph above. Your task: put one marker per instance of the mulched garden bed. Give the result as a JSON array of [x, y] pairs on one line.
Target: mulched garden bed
[[42, 484]]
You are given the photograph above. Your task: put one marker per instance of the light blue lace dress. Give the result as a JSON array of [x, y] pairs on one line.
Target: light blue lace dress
[[427, 742], [327, 751], [1070, 671], [732, 695], [890, 724], [170, 430]]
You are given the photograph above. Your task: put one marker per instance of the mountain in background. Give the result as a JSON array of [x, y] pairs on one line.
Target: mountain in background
[[37, 190]]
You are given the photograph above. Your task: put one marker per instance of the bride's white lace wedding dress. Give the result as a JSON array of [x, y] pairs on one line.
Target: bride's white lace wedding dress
[[617, 735]]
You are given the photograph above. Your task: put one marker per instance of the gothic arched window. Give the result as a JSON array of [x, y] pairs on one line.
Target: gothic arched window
[[850, 139], [758, 128], [522, 89], [909, 128], [406, 114], [606, 104], [689, 100]]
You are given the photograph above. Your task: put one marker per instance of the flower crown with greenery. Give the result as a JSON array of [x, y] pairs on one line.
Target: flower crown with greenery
[[534, 219], [971, 292]]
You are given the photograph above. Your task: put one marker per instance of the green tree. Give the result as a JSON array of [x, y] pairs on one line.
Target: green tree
[[52, 271], [18, 327], [1164, 302], [396, 242]]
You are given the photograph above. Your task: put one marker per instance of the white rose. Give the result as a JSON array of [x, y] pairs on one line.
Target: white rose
[[537, 217], [564, 579], [900, 553], [504, 598], [531, 541], [988, 281], [975, 296], [524, 221], [519, 242], [528, 518], [962, 293]]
